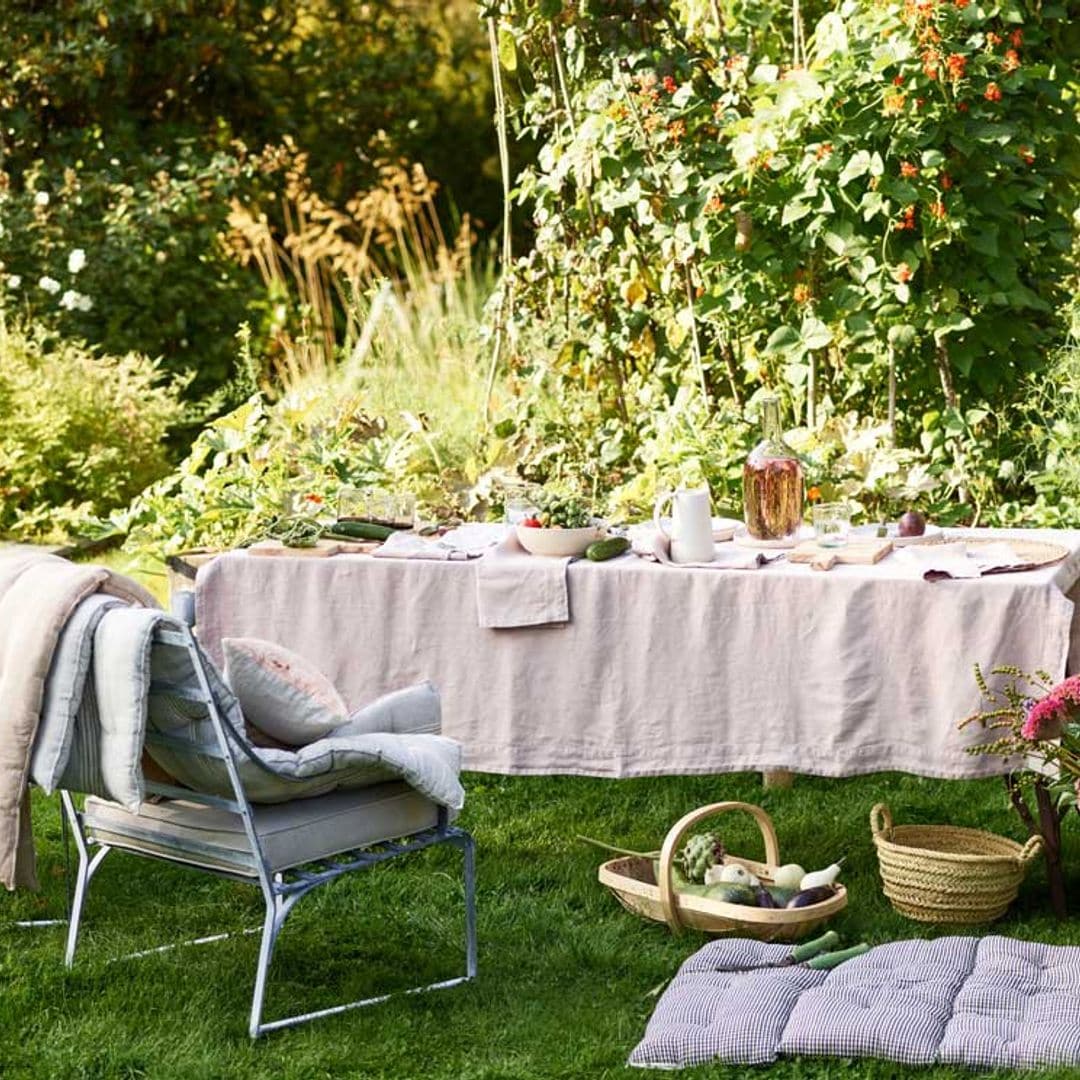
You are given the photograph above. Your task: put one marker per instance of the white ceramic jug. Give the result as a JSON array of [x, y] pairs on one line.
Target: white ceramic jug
[[691, 536]]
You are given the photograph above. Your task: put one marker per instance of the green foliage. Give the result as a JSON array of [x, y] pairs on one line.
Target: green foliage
[[80, 432], [712, 217], [138, 121]]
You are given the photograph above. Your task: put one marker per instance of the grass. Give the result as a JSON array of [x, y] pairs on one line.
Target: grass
[[567, 978]]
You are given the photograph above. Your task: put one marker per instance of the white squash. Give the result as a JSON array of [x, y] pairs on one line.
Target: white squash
[[789, 876]]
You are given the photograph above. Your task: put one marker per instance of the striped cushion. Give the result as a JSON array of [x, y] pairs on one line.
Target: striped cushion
[[982, 1003]]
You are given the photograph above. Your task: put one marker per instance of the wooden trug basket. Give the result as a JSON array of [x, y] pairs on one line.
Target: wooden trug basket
[[634, 884]]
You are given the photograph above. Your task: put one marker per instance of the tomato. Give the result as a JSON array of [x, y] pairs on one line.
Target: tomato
[[531, 523]]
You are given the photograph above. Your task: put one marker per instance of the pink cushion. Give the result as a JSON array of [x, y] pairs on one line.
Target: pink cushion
[[280, 692]]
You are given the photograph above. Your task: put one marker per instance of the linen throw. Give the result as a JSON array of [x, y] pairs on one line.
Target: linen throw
[[38, 593]]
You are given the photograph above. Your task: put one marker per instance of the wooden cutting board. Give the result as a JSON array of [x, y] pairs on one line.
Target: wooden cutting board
[[322, 549], [854, 552]]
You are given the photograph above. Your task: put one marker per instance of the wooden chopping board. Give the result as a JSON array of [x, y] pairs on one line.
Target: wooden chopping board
[[854, 552], [322, 549]]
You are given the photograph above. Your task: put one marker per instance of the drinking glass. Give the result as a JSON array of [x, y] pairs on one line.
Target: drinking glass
[[517, 508], [832, 523]]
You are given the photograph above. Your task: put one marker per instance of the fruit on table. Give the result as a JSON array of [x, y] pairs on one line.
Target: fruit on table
[[789, 876], [911, 524], [603, 550], [362, 530], [532, 523], [557, 511]]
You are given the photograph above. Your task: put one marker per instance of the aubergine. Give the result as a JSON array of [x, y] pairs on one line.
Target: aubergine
[[763, 898], [811, 896]]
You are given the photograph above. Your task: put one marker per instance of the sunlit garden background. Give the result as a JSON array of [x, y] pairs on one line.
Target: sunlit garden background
[[252, 250]]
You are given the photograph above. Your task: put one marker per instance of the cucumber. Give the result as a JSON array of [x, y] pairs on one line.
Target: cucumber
[[602, 550], [361, 530]]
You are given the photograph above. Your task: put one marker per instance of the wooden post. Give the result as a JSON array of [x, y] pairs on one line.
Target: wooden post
[[777, 778]]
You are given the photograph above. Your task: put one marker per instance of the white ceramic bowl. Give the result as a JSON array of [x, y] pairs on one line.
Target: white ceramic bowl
[[558, 543]]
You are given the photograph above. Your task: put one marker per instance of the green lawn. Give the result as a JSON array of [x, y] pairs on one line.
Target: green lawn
[[567, 977]]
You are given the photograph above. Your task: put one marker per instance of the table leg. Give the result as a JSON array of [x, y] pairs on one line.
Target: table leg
[[777, 778]]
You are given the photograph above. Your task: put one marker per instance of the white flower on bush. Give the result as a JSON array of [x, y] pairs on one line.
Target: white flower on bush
[[76, 260], [41, 198], [75, 301], [13, 281], [50, 285]]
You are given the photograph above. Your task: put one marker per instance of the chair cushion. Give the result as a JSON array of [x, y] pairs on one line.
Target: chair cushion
[[291, 833], [280, 692]]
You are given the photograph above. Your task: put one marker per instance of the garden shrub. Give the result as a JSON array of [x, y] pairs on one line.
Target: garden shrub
[[129, 125], [80, 432], [878, 218]]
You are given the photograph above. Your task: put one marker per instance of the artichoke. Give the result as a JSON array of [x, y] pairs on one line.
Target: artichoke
[[699, 854]]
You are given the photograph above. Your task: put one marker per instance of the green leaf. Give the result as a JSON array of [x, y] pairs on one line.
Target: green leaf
[[793, 211], [814, 333], [857, 165], [507, 49], [783, 339], [902, 336], [985, 241]]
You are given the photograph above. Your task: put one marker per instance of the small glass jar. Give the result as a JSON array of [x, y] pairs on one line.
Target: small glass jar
[[832, 523], [772, 482]]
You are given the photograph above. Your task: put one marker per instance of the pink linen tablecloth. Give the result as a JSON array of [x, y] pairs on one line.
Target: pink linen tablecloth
[[668, 670]]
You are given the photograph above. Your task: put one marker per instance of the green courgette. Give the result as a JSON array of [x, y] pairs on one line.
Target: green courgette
[[361, 530], [602, 550]]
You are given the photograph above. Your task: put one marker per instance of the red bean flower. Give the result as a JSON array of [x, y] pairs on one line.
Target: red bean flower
[[669, 84], [957, 66], [902, 273], [992, 92], [1011, 60], [907, 170]]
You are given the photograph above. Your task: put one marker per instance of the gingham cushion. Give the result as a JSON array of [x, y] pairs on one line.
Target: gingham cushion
[[989, 1003]]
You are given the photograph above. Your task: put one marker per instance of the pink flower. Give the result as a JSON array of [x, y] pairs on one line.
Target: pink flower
[[1045, 720]]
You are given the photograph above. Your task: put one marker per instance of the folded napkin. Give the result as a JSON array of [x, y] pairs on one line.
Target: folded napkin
[[403, 545], [475, 537], [514, 588], [648, 542], [957, 560]]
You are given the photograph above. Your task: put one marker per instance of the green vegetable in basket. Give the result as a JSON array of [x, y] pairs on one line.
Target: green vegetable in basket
[[699, 854]]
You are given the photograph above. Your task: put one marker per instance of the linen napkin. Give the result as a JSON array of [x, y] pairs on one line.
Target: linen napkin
[[514, 588], [649, 543], [403, 545], [957, 560]]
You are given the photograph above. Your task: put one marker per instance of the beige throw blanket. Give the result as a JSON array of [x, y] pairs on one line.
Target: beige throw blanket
[[37, 595]]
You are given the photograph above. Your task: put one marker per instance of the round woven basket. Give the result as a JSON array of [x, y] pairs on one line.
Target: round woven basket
[[946, 874]]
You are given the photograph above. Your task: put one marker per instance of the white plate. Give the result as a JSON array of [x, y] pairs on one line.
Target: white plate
[[722, 528], [932, 534], [744, 539]]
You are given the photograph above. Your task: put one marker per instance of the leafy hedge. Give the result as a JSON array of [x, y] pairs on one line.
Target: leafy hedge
[[80, 432], [129, 125], [874, 214]]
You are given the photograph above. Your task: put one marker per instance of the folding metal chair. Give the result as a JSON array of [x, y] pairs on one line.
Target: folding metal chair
[[287, 849]]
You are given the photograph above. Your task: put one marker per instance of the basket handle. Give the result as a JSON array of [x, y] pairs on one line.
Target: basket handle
[[1031, 849], [668, 898], [881, 822]]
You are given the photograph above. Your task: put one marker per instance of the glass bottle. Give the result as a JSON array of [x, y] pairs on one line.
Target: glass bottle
[[772, 482]]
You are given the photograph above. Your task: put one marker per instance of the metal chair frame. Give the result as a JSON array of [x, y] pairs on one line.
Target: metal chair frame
[[282, 889]]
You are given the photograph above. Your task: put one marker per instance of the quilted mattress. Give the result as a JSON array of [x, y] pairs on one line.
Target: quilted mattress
[[990, 1002]]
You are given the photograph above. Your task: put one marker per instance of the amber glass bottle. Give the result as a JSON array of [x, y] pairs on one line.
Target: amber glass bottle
[[772, 482]]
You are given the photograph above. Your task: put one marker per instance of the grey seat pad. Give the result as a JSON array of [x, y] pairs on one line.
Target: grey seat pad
[[290, 833], [991, 1002]]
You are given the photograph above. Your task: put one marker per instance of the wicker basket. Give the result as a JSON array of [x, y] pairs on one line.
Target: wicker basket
[[945, 874], [633, 882]]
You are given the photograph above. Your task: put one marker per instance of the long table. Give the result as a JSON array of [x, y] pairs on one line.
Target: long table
[[669, 670]]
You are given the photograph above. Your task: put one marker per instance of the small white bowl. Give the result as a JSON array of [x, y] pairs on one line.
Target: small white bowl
[[558, 543]]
